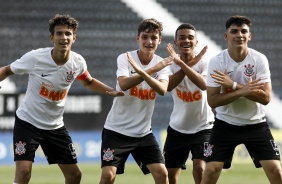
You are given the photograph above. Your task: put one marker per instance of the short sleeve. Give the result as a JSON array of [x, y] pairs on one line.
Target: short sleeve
[[122, 66], [25, 64]]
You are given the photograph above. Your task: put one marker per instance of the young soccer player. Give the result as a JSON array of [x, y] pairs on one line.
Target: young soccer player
[[238, 85], [192, 118], [142, 75], [39, 118]]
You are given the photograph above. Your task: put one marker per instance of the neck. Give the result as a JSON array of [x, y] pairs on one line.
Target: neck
[[186, 58], [238, 55], [60, 58], [144, 58]]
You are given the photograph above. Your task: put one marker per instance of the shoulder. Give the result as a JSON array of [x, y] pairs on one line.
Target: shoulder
[[256, 54], [39, 51], [157, 57], [77, 57], [219, 57]]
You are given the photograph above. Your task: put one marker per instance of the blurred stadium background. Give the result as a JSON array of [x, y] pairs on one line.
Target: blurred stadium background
[[107, 29]]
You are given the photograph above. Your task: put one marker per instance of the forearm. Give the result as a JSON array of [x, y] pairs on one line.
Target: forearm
[[134, 80], [195, 77], [5, 71], [175, 79], [158, 86], [261, 96], [97, 86], [222, 99]]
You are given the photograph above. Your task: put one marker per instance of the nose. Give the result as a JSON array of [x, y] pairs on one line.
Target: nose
[[239, 34], [150, 40]]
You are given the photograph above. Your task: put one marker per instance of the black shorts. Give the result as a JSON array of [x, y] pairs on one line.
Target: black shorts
[[117, 147], [257, 139], [56, 144], [178, 146]]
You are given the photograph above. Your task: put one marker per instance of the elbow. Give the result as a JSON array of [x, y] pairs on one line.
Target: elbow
[[169, 89], [203, 88], [266, 101], [162, 92], [211, 104], [123, 88]]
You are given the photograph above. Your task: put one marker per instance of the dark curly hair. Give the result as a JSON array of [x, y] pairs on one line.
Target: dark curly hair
[[63, 20]]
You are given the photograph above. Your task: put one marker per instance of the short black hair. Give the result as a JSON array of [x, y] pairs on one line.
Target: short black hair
[[237, 20], [185, 26]]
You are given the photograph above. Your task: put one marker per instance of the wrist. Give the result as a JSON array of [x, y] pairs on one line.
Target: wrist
[[234, 86]]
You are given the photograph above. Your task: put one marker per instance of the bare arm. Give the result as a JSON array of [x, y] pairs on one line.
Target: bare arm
[[126, 83], [5, 71], [159, 86], [176, 78], [97, 86], [262, 93]]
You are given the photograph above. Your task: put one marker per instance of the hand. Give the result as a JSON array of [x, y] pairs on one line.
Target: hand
[[198, 57], [136, 67], [223, 79], [115, 93], [173, 54], [163, 63], [252, 87]]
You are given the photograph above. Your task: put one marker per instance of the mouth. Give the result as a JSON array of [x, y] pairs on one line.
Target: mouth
[[186, 46], [64, 44], [149, 47]]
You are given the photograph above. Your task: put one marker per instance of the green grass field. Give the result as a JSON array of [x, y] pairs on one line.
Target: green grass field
[[51, 174]]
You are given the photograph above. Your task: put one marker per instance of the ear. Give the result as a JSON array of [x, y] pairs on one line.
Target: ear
[[225, 36], [250, 36], [74, 38], [51, 38], [160, 40], [137, 38]]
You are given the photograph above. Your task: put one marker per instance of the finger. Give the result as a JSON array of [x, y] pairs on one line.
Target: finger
[[218, 72], [203, 51]]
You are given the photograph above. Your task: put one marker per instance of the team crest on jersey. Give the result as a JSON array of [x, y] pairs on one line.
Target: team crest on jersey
[[108, 154], [249, 71], [208, 149], [20, 148], [69, 77]]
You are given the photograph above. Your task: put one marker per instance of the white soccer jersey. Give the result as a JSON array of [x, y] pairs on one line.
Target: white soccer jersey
[[191, 112], [131, 114], [48, 85], [241, 111]]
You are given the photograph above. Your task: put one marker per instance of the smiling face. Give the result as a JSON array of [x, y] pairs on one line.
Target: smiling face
[[63, 38], [238, 36], [186, 41], [148, 41]]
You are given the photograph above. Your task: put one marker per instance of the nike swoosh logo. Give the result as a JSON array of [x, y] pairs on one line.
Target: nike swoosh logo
[[132, 72], [230, 72], [42, 75]]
